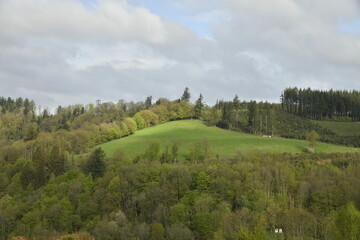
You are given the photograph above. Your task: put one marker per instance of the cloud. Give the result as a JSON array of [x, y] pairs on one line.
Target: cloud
[[68, 19], [64, 52]]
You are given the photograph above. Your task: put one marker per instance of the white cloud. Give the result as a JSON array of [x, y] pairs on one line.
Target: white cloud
[[120, 56], [60, 52], [68, 19]]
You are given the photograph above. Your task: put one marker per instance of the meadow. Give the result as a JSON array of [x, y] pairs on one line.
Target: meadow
[[222, 142]]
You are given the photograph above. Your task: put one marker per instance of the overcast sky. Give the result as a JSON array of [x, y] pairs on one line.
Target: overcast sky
[[61, 52]]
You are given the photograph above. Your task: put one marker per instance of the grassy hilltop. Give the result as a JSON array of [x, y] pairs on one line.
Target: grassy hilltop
[[189, 132]]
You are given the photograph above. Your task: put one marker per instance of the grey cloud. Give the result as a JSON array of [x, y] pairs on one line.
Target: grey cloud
[[58, 52]]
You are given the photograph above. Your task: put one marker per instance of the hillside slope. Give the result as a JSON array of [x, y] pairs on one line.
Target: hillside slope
[[189, 132]]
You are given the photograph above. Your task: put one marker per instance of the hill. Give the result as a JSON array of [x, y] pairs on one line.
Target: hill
[[189, 132]]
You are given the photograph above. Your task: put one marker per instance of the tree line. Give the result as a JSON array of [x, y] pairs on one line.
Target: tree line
[[321, 105]]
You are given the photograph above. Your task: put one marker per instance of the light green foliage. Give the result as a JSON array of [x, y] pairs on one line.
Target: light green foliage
[[312, 138], [157, 232], [202, 181], [162, 112], [150, 118], [212, 116], [131, 125], [347, 223], [181, 110], [140, 122], [114, 185], [220, 141], [125, 131], [178, 214]]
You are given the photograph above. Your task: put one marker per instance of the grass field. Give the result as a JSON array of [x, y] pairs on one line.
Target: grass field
[[221, 141], [341, 128]]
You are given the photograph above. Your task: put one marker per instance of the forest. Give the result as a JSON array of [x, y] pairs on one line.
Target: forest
[[318, 104], [56, 183]]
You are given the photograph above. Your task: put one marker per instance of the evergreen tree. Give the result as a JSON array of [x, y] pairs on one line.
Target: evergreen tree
[[148, 102], [226, 116], [41, 171], [57, 161], [236, 103], [96, 164], [199, 106], [186, 95], [252, 116]]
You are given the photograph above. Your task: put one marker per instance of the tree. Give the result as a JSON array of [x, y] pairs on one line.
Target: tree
[[96, 164], [153, 150], [157, 232], [179, 231], [40, 163], [199, 106], [212, 116], [204, 226], [312, 138], [148, 102], [236, 103], [252, 116], [186, 95], [226, 116], [347, 222], [57, 161]]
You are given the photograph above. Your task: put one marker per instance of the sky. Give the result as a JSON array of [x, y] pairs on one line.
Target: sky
[[61, 52]]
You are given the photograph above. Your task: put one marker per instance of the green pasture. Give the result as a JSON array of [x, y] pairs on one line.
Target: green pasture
[[189, 132]]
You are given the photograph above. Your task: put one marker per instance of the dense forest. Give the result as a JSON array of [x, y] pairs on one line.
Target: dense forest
[[320, 105], [55, 181]]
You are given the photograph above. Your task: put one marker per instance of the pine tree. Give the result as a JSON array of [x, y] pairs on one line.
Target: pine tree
[[186, 95], [96, 164], [148, 102], [199, 106], [252, 116], [236, 103]]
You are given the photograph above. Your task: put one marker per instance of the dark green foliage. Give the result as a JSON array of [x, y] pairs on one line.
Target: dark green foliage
[[186, 95], [252, 117], [199, 107], [57, 161], [95, 164], [317, 104], [148, 102]]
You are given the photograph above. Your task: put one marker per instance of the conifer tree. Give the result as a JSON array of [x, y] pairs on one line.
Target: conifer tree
[[96, 164], [199, 106], [186, 95]]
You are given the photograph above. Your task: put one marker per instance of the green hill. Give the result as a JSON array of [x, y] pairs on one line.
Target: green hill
[[189, 132]]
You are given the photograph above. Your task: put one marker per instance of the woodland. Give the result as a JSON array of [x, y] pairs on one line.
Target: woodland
[[57, 183]]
